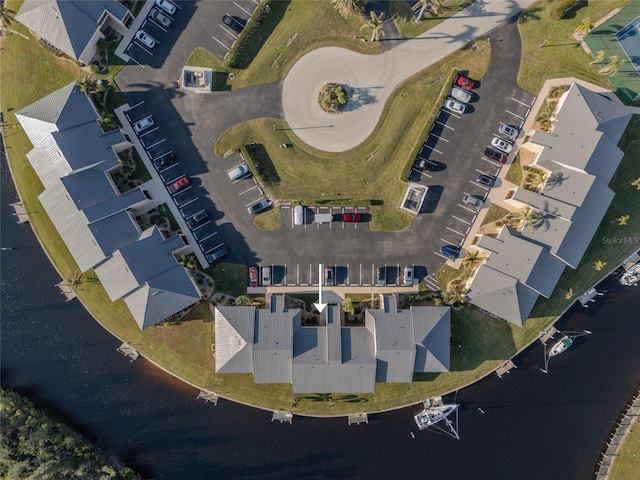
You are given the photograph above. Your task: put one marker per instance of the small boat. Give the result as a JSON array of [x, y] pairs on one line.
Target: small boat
[[561, 345], [432, 415]]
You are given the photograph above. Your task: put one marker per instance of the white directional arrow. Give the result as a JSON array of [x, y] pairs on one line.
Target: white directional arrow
[[320, 306]]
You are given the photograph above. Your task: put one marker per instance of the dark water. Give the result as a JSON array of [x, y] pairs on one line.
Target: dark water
[[534, 426]]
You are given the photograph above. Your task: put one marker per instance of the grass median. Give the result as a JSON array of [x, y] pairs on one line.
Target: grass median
[[371, 173]]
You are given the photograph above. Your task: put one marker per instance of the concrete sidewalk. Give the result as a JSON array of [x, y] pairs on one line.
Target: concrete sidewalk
[[372, 79]]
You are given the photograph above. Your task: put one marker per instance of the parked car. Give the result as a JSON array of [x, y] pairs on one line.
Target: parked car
[[238, 172], [452, 105], [180, 184], [167, 6], [351, 217], [408, 276], [508, 131], [217, 254], [299, 215], [451, 251], [197, 218], [473, 201], [328, 276], [145, 38], [502, 144], [164, 161], [465, 82], [266, 276], [424, 164], [142, 125], [253, 276], [160, 18], [460, 95], [487, 180], [382, 276], [259, 206], [233, 23], [495, 155]]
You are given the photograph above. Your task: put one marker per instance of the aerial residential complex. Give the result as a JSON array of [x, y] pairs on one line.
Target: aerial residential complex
[[74, 158], [579, 156]]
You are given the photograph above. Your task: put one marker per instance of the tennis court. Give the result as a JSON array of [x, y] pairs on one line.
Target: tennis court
[[629, 39]]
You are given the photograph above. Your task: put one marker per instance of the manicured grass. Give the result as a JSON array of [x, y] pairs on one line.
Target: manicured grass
[[229, 278], [201, 57], [627, 462], [269, 220], [286, 18], [514, 175], [405, 18], [494, 213], [561, 56], [301, 173]]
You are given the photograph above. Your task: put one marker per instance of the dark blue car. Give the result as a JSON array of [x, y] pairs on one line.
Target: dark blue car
[[450, 251]]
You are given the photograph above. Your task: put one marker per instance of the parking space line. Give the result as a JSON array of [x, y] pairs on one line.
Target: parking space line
[[245, 11], [165, 169], [147, 133], [521, 103], [220, 43], [455, 231], [284, 281], [155, 144], [467, 208], [209, 236], [448, 242], [515, 114], [431, 148], [248, 190], [439, 137], [253, 201], [445, 125], [187, 203], [137, 62], [140, 45], [463, 221], [157, 25], [136, 105], [478, 185], [200, 226], [226, 30]]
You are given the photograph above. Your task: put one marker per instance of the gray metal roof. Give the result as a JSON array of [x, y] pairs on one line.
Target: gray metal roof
[[601, 111], [69, 25], [113, 232], [139, 262], [273, 343], [162, 296], [234, 332], [118, 203], [432, 332], [64, 108], [530, 263], [502, 295], [73, 143], [333, 359]]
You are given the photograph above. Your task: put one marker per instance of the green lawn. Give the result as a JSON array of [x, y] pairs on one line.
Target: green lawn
[[299, 174], [560, 56], [405, 19], [627, 462]]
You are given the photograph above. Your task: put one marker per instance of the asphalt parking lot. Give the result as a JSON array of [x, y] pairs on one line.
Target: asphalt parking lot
[[456, 144], [224, 35]]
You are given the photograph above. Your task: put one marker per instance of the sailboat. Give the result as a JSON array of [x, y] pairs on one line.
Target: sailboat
[[432, 415], [561, 345]]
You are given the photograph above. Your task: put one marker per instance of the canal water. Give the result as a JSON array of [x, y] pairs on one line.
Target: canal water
[[527, 425]]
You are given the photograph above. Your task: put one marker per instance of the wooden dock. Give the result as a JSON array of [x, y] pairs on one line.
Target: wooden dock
[[282, 417], [208, 397], [128, 351], [358, 418], [20, 212]]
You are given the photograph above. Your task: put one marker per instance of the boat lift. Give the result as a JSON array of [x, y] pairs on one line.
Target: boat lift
[[558, 347]]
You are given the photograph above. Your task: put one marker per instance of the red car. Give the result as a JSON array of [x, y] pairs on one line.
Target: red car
[[351, 217], [253, 276], [180, 184], [465, 82]]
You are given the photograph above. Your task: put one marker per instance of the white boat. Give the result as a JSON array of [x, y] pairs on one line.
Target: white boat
[[432, 415], [560, 346]]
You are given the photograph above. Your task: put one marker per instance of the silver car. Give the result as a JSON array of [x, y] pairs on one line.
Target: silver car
[[452, 105], [460, 95], [502, 144], [473, 201], [508, 131], [408, 276], [145, 38]]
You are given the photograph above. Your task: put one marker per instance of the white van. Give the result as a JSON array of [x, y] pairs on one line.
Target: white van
[[299, 215], [266, 276]]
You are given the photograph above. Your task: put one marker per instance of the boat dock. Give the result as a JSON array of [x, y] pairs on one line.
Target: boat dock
[[282, 417], [20, 212], [358, 418], [208, 397], [128, 351]]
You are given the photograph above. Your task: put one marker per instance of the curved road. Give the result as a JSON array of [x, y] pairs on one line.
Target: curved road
[[372, 79]]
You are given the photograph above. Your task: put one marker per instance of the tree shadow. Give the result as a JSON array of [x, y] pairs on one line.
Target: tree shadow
[[360, 96]]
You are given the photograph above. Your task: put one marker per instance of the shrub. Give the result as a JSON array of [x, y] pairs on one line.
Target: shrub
[[563, 7]]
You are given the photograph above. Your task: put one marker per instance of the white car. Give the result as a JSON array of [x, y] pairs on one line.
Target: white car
[[408, 276], [238, 172], [508, 131], [460, 95], [145, 38], [167, 6], [452, 105], [502, 144], [160, 18], [473, 201], [143, 124]]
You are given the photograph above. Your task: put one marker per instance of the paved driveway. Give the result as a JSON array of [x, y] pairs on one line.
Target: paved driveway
[[188, 124]]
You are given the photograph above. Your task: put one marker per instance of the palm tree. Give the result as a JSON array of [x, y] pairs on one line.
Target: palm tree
[[347, 8], [244, 300], [455, 295], [126, 166], [599, 57], [472, 257], [545, 116], [544, 42], [569, 294], [636, 183], [348, 306], [585, 27], [612, 67], [187, 261], [530, 217], [599, 265], [86, 84], [623, 220], [6, 16], [423, 5], [376, 26]]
